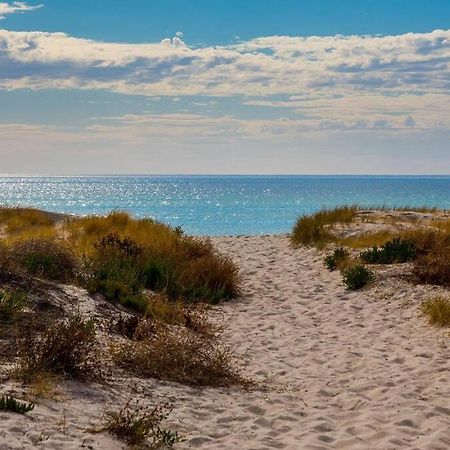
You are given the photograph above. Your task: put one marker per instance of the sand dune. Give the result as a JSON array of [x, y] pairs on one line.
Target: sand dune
[[338, 369]]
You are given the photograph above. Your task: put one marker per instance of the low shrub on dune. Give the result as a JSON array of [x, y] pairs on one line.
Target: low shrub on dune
[[394, 251], [356, 277], [47, 258], [65, 348], [432, 265], [337, 259], [179, 355], [140, 426]]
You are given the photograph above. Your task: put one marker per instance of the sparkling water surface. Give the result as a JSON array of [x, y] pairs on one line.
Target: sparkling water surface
[[221, 205]]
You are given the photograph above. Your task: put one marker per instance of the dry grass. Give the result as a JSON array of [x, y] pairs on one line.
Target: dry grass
[[438, 311], [139, 425], [312, 229], [180, 355], [165, 260], [27, 223], [366, 240], [47, 258], [67, 348]]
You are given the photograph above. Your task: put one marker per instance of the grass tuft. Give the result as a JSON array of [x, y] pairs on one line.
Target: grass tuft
[[438, 311], [137, 425], [311, 229]]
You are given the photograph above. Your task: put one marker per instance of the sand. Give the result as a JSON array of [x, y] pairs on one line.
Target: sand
[[337, 369]]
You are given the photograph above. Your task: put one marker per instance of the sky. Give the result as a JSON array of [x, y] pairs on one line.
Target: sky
[[225, 87]]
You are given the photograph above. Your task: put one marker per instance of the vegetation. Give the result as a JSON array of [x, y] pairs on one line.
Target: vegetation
[[312, 229], [8, 403], [394, 251], [116, 256], [337, 259], [177, 355], [43, 257], [66, 348], [438, 311], [137, 424], [11, 306], [356, 277]]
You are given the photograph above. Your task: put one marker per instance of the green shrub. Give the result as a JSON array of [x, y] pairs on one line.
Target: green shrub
[[356, 277], [336, 259], [394, 251], [116, 272], [311, 229], [438, 311], [121, 269], [8, 403], [138, 424], [66, 348]]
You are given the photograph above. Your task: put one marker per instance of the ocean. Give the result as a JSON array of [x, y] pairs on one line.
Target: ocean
[[221, 205]]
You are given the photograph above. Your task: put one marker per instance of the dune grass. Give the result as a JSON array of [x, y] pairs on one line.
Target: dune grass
[[66, 348], [140, 426], [437, 309], [117, 256], [179, 355], [311, 229]]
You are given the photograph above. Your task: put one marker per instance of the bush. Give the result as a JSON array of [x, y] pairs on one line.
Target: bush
[[192, 270], [394, 251], [178, 355], [116, 272], [310, 229], [44, 258], [66, 348], [137, 424], [356, 277], [432, 266], [335, 260], [8, 403], [438, 311]]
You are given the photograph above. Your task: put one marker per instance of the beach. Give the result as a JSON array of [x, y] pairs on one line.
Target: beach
[[333, 369]]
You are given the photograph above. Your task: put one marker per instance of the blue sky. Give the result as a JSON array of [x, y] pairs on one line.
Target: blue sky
[[331, 86]]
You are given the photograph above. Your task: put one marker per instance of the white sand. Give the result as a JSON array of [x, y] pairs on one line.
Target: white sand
[[341, 370]]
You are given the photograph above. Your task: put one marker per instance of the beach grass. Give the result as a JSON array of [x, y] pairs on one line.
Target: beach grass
[[117, 256], [437, 309], [311, 229]]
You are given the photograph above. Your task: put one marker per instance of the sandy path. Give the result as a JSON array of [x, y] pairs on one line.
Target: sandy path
[[345, 370]]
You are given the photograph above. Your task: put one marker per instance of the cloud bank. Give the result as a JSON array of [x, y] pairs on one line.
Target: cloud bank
[[262, 67]]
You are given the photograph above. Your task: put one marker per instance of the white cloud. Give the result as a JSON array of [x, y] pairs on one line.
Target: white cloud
[[262, 67], [15, 7], [332, 83]]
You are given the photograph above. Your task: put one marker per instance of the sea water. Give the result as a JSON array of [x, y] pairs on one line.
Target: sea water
[[221, 205]]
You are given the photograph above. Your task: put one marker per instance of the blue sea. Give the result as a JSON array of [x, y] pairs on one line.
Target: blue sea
[[221, 205]]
